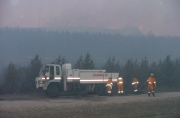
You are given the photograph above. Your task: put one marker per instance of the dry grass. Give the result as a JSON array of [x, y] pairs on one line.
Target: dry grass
[[166, 108]]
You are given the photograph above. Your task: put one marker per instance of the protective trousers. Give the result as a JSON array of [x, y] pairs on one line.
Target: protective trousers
[[109, 88], [120, 88], [150, 89], [135, 87]]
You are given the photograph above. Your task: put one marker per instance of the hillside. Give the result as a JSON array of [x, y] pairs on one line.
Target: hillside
[[20, 45]]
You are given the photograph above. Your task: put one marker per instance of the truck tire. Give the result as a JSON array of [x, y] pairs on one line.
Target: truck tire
[[100, 89], [52, 91]]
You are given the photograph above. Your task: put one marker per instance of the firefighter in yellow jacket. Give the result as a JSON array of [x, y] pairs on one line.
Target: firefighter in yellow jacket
[[135, 83], [120, 85], [109, 85], [151, 84]]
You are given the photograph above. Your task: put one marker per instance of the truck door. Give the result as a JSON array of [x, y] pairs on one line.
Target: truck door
[[57, 72], [51, 72]]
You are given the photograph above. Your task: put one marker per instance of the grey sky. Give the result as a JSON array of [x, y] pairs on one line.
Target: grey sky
[[160, 16]]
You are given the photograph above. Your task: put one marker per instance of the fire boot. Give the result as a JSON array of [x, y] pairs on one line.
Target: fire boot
[[135, 92], [153, 94]]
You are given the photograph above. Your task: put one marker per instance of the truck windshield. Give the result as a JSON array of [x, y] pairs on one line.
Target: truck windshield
[[40, 72], [44, 70]]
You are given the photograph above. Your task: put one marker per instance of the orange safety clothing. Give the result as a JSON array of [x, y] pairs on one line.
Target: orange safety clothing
[[151, 84], [120, 85], [109, 85], [135, 83]]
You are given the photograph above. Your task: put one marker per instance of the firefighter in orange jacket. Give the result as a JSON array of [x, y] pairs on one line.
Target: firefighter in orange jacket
[[135, 83], [120, 85], [151, 84], [109, 85]]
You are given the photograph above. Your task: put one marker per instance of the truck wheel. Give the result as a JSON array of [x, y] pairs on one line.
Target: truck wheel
[[99, 90], [52, 91]]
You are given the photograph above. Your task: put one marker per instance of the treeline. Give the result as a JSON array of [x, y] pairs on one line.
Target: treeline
[[17, 43], [18, 79]]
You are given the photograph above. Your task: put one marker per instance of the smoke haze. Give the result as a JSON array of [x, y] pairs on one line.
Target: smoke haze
[[159, 16]]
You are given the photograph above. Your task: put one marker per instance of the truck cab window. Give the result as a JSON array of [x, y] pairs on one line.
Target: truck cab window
[[57, 70]]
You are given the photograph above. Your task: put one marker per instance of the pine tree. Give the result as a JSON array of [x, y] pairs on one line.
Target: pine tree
[[144, 70], [80, 62], [11, 79], [60, 60], [88, 62], [168, 71], [32, 73], [112, 65]]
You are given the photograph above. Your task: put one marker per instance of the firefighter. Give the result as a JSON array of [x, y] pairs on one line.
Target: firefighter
[[135, 83], [109, 85], [120, 85], [151, 84]]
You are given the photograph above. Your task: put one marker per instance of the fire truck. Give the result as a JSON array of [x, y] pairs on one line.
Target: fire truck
[[54, 79]]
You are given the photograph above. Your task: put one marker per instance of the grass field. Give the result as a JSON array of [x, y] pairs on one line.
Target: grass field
[[166, 108]]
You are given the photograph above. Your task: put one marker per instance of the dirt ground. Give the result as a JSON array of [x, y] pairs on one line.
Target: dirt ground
[[28, 102]]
